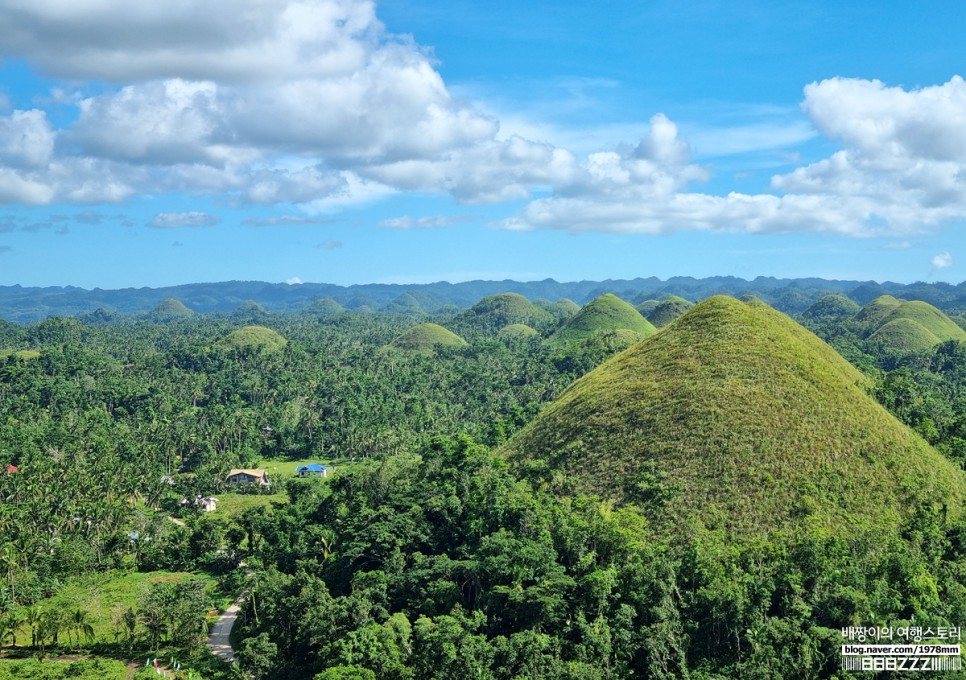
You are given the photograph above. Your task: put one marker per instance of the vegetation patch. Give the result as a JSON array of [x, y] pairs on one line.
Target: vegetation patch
[[427, 337], [255, 338]]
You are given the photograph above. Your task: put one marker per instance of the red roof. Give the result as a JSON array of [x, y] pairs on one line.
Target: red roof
[[13, 468]]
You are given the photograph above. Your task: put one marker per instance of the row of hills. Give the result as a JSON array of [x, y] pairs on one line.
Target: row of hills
[[792, 296]]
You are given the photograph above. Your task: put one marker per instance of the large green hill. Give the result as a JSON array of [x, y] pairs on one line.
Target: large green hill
[[737, 417], [602, 314]]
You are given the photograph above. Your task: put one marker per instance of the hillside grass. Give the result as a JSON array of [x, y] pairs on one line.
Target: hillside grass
[[518, 330], [494, 312], [903, 336], [255, 337], [602, 314], [668, 310], [99, 594], [426, 337], [739, 418]]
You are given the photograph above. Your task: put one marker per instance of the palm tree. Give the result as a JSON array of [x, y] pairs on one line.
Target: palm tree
[[32, 616], [81, 624]]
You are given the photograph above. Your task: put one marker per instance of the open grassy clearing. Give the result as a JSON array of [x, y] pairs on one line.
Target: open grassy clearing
[[101, 594]]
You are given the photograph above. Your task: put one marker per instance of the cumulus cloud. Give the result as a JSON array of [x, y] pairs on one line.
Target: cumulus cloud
[[942, 261], [902, 171], [312, 103], [180, 220], [294, 281], [26, 139]]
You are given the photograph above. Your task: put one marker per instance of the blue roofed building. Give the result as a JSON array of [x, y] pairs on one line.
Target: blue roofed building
[[312, 470]]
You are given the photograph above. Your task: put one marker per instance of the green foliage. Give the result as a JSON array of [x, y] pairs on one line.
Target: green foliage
[[83, 669]]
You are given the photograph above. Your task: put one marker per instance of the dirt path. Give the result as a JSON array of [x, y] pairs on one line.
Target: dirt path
[[218, 636]]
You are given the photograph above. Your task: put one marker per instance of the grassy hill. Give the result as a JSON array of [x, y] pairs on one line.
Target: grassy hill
[[668, 310], [831, 307], [254, 337], [426, 337], [602, 314], [874, 312], [169, 310], [325, 307], [902, 336], [492, 313], [901, 327], [518, 330], [736, 417]]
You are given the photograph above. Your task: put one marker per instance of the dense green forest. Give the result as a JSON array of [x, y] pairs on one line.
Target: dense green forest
[[434, 550]]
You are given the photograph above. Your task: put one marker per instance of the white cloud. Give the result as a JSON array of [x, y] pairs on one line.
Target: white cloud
[[313, 103], [902, 171], [294, 281], [433, 222], [26, 139], [942, 261], [180, 220]]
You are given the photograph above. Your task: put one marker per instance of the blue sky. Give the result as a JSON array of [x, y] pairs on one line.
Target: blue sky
[[403, 141]]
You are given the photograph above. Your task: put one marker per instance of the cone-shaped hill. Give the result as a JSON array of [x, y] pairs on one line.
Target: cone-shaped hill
[[875, 311], [562, 309], [903, 327], [169, 310], [831, 307], [518, 330], [254, 338], [426, 337], [668, 310], [492, 313], [602, 314], [325, 307], [405, 304], [737, 417]]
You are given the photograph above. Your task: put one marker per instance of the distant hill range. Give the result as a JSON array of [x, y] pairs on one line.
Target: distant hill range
[[793, 296]]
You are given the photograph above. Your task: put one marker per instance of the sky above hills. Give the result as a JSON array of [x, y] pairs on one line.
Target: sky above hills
[[346, 141]]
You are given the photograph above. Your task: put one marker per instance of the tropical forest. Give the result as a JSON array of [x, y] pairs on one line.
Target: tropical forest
[[701, 479]]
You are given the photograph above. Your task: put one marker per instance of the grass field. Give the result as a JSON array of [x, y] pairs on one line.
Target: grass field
[[100, 594]]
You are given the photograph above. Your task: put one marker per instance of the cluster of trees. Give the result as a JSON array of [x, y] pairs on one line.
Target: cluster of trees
[[445, 565]]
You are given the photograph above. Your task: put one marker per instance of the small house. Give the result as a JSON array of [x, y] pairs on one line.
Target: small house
[[205, 503], [312, 470], [240, 476]]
